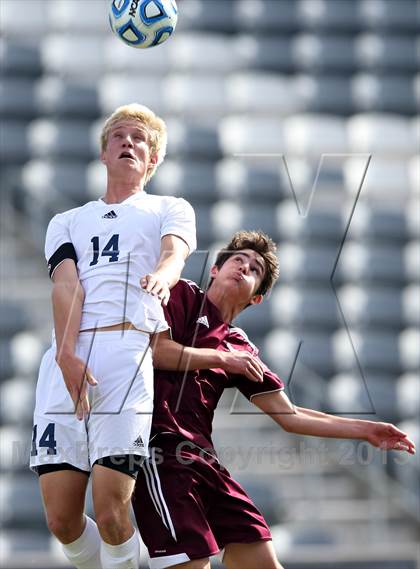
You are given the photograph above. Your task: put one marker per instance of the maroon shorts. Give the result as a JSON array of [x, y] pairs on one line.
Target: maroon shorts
[[188, 506]]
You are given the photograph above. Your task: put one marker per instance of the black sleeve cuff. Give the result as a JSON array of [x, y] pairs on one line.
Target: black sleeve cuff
[[65, 251]]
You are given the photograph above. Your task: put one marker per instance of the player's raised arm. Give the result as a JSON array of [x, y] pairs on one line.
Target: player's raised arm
[[302, 421], [170, 355], [173, 252], [67, 303]]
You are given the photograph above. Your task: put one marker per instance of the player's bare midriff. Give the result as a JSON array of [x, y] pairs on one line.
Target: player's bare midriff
[[116, 327]]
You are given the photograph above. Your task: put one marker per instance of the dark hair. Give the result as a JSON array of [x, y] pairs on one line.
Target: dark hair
[[261, 244]]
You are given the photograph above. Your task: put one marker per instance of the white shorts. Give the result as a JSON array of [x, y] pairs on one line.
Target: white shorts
[[121, 404]]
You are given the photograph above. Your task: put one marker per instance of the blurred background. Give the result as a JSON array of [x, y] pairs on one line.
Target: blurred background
[[297, 117]]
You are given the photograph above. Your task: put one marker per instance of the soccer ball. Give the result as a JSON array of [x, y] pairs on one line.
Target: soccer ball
[[143, 23]]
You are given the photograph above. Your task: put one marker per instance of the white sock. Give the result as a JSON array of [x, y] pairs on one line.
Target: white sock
[[84, 552], [123, 556]]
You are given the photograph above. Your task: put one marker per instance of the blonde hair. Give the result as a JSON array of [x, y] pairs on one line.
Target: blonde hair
[[155, 126]]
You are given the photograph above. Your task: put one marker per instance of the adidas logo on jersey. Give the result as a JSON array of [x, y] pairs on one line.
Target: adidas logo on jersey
[[203, 320], [138, 443], [110, 215]]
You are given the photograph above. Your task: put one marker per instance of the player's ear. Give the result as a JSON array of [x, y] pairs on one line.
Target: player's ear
[[257, 299], [213, 271]]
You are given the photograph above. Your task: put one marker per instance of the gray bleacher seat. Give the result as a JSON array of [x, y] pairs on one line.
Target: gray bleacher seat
[[192, 180], [67, 139], [6, 361], [381, 133], [195, 94], [304, 307], [321, 224], [414, 176], [330, 54], [228, 217], [202, 52], [387, 53], [281, 347], [15, 447], [201, 15], [408, 395], [34, 23], [329, 15], [27, 350], [411, 257], [326, 94], [386, 180], [378, 224], [120, 89], [373, 394], [20, 58], [263, 53], [119, 59], [390, 14], [13, 319], [67, 97], [17, 98], [197, 267], [391, 94], [371, 307], [306, 263], [371, 263], [193, 140], [205, 229], [13, 142], [264, 16], [17, 399], [252, 135], [315, 134], [411, 305], [251, 180], [413, 218], [65, 16], [45, 180], [75, 55], [409, 342], [257, 320], [376, 351], [262, 93], [21, 501], [14, 542]]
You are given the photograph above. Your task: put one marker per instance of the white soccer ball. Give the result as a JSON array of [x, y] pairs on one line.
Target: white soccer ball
[[143, 23]]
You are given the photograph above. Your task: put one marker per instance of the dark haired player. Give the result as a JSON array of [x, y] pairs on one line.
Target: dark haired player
[[187, 505]]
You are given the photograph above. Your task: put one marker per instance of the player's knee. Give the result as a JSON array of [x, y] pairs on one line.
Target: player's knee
[[111, 522], [64, 528]]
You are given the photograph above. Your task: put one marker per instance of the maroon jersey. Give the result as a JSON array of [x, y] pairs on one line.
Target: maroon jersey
[[184, 402]]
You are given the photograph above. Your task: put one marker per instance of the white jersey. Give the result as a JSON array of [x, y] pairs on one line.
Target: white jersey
[[114, 246]]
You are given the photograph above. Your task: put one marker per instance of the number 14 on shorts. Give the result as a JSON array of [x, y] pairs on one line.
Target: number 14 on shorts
[[47, 440]]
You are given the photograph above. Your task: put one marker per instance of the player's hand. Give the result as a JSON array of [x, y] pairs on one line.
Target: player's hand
[[77, 376], [156, 285], [243, 363], [389, 437]]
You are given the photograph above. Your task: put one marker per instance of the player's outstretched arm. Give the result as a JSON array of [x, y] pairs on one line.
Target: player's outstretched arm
[[170, 355], [173, 252], [304, 421], [67, 303]]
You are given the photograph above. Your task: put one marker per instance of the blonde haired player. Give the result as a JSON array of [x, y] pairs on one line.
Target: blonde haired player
[[112, 262]]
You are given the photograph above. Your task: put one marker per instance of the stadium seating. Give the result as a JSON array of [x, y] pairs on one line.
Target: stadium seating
[[263, 53], [13, 144], [67, 98], [78, 56], [19, 58], [202, 52], [384, 52], [200, 15], [192, 180], [64, 15], [408, 395], [371, 307], [390, 14], [252, 135], [17, 401], [411, 305], [320, 54], [17, 98], [381, 133], [33, 25], [264, 16], [65, 139], [384, 94], [375, 351]]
